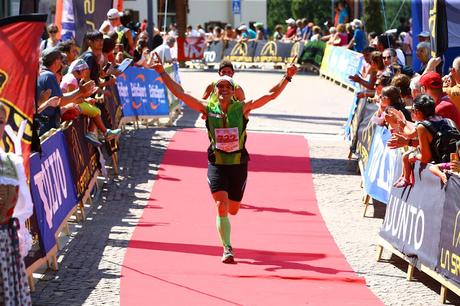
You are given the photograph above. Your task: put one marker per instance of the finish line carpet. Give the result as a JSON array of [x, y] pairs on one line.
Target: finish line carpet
[[284, 252]]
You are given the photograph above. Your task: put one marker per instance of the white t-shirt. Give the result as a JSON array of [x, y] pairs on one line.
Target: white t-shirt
[[67, 80], [401, 56], [164, 52], [104, 25]]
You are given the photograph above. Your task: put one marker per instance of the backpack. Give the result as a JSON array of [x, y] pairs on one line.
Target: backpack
[[445, 136]]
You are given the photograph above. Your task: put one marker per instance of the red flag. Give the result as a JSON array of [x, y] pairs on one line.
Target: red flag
[[19, 42], [190, 48], [118, 4]]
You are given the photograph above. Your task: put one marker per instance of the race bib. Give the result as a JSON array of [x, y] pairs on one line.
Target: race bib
[[227, 139]]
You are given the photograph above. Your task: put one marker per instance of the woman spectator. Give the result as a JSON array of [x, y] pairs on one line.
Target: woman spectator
[[372, 39], [52, 40], [424, 109], [376, 69], [260, 35], [390, 98], [350, 31], [217, 34], [278, 35], [229, 33], [341, 37], [402, 81], [316, 34]]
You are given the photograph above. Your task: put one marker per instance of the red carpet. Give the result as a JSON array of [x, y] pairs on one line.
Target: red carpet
[[284, 252]]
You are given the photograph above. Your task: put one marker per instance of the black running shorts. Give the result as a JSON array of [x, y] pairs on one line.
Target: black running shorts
[[229, 178]]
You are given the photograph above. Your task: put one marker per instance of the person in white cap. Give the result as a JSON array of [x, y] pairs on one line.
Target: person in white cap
[[247, 33], [358, 42], [291, 31], [112, 21], [226, 120], [424, 36]]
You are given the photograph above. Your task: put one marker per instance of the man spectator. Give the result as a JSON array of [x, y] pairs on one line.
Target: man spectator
[[172, 30], [70, 49], [50, 114], [191, 32], [124, 34], [164, 51], [357, 43], [342, 11], [292, 29], [112, 21], [424, 36], [452, 88], [431, 84], [423, 53], [229, 33]]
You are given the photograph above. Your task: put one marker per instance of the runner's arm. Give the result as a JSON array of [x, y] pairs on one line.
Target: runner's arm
[[207, 91], [239, 94], [176, 89], [274, 92]]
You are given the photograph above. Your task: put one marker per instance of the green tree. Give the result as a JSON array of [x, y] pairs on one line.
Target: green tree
[[277, 12], [314, 10], [373, 19]]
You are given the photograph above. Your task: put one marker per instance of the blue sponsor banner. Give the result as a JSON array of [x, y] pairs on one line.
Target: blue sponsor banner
[[381, 167], [347, 127], [142, 93], [52, 187], [339, 63]]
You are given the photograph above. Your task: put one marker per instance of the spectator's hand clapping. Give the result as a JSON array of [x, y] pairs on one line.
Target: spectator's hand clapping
[[396, 141], [87, 89]]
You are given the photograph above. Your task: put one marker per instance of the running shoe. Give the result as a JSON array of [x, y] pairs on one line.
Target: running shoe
[[93, 139], [228, 256], [110, 134]]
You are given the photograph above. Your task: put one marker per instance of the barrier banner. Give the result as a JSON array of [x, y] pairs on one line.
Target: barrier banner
[[89, 15], [339, 63], [360, 122], [52, 187], [351, 116], [272, 51], [412, 221], [381, 166], [214, 52], [190, 48], [83, 156], [449, 255], [111, 110], [142, 93], [240, 51], [36, 252], [364, 143]]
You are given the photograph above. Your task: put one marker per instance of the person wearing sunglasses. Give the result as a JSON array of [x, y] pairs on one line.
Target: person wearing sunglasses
[[53, 37]]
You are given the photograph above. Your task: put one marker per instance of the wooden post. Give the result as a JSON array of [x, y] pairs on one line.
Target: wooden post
[[443, 294], [379, 252], [410, 272], [366, 203]]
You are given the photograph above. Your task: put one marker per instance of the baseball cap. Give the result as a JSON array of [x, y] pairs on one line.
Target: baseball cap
[[49, 55], [225, 78], [431, 80], [424, 34], [242, 27], [78, 65], [113, 14], [290, 21], [356, 23]]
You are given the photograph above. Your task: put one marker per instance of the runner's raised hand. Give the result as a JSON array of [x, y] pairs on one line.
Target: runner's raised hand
[[155, 63]]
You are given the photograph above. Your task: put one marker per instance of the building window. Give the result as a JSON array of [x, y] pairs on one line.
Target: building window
[[170, 14]]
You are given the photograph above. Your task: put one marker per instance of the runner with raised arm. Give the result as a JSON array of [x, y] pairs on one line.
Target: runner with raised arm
[[227, 155]]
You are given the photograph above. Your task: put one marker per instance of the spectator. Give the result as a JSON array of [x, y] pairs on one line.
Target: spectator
[[424, 109], [78, 71], [343, 15], [453, 165], [191, 32], [229, 33], [260, 35], [164, 51], [299, 28], [112, 21], [350, 31], [329, 39], [278, 35], [306, 30], [452, 89], [291, 30], [384, 41], [316, 34], [143, 26], [140, 54], [341, 37], [424, 37], [415, 87], [357, 42], [200, 30], [406, 38], [431, 84], [52, 40], [70, 49], [402, 82], [247, 33], [423, 53], [217, 34], [51, 110], [172, 30], [372, 39], [157, 40]]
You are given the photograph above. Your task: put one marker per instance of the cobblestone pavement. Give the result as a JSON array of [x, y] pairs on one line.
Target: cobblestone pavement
[[90, 269]]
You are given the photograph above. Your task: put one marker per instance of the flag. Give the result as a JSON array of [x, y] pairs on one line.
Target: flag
[[65, 19], [19, 42], [438, 27], [89, 16], [118, 4], [190, 48]]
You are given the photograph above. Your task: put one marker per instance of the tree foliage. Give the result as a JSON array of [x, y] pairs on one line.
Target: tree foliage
[[373, 19]]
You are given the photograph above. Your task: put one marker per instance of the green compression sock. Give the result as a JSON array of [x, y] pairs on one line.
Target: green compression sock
[[223, 227]]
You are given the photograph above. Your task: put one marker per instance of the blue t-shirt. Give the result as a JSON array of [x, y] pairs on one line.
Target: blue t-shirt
[[343, 15], [360, 40], [51, 115], [251, 34]]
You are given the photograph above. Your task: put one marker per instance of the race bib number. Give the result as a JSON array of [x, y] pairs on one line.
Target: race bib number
[[227, 139]]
